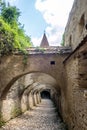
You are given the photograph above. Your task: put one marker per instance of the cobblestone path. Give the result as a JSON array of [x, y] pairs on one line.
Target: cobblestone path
[[42, 117]]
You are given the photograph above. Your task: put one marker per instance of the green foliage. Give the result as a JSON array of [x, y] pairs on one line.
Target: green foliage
[[38, 49], [2, 5], [12, 34], [15, 112], [25, 59], [42, 50], [7, 38], [10, 14], [1, 121], [63, 41]]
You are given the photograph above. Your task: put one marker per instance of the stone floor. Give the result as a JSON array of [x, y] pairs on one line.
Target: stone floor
[[42, 117]]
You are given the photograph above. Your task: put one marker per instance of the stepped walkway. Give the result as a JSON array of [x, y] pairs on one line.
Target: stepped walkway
[[42, 117]]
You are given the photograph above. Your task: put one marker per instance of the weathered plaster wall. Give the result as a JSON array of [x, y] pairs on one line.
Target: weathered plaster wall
[[76, 30]]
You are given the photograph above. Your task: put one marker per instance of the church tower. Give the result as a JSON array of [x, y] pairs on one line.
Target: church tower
[[44, 42]]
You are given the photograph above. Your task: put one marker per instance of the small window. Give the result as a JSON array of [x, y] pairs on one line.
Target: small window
[[70, 40], [52, 62]]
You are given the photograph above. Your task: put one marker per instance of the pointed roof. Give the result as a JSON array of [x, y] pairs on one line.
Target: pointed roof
[[44, 42]]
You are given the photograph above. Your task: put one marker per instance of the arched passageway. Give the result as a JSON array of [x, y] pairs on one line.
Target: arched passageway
[[29, 91], [45, 94]]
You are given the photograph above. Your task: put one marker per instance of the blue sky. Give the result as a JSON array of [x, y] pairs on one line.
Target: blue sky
[[32, 18], [40, 15]]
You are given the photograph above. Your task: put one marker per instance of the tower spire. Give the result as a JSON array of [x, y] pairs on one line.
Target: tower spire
[[44, 41]]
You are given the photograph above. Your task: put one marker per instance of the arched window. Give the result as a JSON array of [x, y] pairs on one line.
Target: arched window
[[81, 24]]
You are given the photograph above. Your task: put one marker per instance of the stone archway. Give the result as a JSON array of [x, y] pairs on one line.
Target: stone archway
[[12, 68], [25, 92]]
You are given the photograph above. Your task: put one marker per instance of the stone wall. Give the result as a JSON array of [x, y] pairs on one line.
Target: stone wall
[[76, 30], [75, 112], [74, 107]]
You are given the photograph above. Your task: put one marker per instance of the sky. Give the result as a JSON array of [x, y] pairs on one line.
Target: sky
[[38, 16]]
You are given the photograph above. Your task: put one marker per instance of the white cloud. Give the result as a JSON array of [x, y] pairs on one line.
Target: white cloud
[[55, 13], [36, 41]]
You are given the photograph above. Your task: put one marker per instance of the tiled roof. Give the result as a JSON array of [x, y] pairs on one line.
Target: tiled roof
[[52, 50]]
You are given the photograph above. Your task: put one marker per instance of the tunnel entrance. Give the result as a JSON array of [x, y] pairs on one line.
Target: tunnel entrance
[[45, 95]]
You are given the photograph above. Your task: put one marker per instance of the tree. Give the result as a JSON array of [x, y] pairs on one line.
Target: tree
[[10, 14], [2, 5], [0, 1], [12, 34], [63, 40]]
